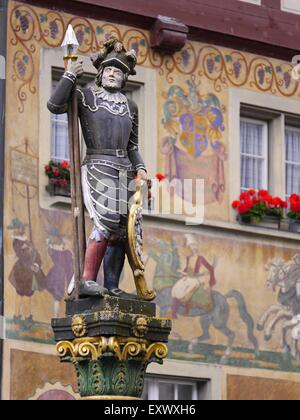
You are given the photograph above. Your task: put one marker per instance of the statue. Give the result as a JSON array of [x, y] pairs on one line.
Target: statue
[[108, 334], [109, 122]]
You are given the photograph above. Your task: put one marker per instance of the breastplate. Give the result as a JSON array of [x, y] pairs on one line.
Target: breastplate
[[105, 124]]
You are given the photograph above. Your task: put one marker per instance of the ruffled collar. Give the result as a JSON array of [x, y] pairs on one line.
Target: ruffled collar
[[117, 98]]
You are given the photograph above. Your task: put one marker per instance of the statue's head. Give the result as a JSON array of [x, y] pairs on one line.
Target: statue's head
[[114, 64]]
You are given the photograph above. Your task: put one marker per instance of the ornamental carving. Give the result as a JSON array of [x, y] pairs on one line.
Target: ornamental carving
[[79, 326], [122, 349], [140, 327]]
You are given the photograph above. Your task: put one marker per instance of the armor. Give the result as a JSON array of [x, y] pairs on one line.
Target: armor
[[110, 129], [109, 122]]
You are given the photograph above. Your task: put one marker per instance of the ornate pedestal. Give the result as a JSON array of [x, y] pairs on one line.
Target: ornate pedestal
[[111, 342]]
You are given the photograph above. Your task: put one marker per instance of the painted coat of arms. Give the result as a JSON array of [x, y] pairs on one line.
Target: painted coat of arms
[[193, 148]]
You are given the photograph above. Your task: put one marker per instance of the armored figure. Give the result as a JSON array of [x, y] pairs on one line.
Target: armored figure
[[109, 122]]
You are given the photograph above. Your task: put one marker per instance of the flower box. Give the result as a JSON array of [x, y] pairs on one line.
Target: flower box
[[58, 174], [267, 222], [57, 190], [294, 226]]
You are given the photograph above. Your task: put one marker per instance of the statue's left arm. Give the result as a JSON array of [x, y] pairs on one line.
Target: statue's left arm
[[133, 145]]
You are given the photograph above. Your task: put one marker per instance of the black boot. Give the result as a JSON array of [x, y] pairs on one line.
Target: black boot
[[113, 266]]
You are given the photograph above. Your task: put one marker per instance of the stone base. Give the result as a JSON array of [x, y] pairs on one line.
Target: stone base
[[109, 303], [110, 316], [111, 341]]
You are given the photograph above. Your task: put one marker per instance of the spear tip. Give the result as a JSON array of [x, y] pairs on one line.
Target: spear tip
[[70, 38]]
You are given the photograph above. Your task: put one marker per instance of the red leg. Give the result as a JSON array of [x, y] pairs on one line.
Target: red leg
[[93, 259]]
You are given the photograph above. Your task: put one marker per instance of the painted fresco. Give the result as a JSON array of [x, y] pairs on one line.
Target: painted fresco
[[243, 388], [194, 150], [232, 301], [248, 319], [48, 380]]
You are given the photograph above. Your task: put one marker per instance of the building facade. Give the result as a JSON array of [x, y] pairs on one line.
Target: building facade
[[225, 109]]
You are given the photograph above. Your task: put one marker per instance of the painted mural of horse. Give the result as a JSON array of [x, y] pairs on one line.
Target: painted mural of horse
[[217, 316], [285, 277], [186, 294]]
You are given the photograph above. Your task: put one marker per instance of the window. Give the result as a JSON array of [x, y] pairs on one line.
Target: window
[[254, 154], [59, 135], [292, 156], [173, 389], [291, 6], [264, 142]]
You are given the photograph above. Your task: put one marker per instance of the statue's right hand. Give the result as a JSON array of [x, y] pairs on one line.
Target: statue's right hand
[[76, 67]]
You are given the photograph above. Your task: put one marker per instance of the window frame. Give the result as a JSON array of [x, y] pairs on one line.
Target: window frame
[[276, 110], [154, 382], [297, 129], [265, 150]]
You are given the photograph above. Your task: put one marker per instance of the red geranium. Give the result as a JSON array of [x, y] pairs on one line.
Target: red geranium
[[294, 212], [65, 164], [160, 177], [255, 205], [58, 173]]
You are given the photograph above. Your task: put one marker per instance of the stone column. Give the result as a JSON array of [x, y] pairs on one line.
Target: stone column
[[111, 342]]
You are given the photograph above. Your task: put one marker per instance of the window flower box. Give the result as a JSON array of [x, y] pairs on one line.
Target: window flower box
[[267, 222], [260, 209], [57, 190], [294, 213], [59, 178], [294, 226]]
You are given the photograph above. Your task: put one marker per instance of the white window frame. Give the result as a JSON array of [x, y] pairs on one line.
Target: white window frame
[[51, 58], [265, 151], [153, 387], [287, 162], [210, 376], [283, 109]]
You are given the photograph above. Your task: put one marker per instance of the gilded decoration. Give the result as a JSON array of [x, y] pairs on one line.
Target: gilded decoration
[[79, 327], [123, 349], [33, 28]]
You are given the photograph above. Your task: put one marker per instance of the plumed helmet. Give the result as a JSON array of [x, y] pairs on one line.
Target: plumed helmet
[[114, 54]]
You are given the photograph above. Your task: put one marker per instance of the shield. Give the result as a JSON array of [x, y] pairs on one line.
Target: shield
[[135, 247], [194, 133]]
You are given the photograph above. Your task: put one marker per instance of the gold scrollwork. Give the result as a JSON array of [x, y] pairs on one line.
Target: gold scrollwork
[[159, 349], [134, 251], [123, 349]]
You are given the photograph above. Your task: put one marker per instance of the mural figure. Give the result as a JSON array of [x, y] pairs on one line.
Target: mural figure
[[166, 256], [193, 148], [60, 275], [110, 128], [190, 292], [193, 298], [194, 289], [286, 277], [27, 275]]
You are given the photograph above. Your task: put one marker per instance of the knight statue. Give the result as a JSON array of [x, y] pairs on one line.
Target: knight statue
[[109, 122]]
